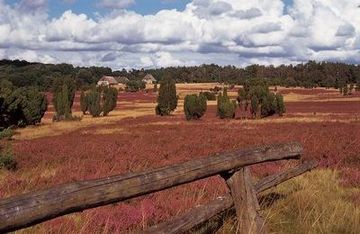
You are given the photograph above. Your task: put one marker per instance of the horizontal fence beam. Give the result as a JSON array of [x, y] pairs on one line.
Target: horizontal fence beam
[[33, 208], [218, 208]]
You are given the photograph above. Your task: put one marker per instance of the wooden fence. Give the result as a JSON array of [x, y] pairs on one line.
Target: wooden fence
[[36, 207]]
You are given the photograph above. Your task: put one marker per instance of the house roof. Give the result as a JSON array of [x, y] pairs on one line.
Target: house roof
[[149, 77], [109, 79], [122, 79]]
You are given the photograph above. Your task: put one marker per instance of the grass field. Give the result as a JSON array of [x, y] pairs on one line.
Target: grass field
[[132, 138]]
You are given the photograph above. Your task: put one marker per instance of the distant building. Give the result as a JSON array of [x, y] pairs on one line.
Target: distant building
[[122, 79], [149, 79], [107, 81]]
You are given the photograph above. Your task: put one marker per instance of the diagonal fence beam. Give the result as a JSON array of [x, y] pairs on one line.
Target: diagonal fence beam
[[217, 209]]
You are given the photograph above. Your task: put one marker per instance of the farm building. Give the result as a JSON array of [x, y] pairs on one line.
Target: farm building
[[107, 81], [122, 79], [149, 79]]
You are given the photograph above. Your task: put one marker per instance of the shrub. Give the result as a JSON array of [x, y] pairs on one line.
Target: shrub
[[99, 101], [20, 106], [351, 88], [84, 103], [135, 85], [243, 98], [64, 94], [225, 107], [167, 99], [254, 106], [210, 96], [110, 96], [194, 106], [94, 98], [6, 133], [33, 105], [62, 104], [345, 90], [263, 103], [7, 160], [280, 104]]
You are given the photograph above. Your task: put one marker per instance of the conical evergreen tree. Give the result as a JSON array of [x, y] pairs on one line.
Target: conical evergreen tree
[[167, 99]]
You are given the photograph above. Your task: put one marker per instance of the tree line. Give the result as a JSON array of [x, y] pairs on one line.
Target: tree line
[[308, 75]]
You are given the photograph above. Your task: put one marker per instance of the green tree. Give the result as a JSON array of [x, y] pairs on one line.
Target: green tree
[[63, 100], [263, 103], [135, 86], [62, 103], [345, 90], [109, 100], [351, 88], [20, 106], [225, 107], [84, 103], [281, 109], [33, 105], [94, 98], [167, 99], [195, 106], [254, 106]]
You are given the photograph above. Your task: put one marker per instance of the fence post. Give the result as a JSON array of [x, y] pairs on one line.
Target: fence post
[[245, 201]]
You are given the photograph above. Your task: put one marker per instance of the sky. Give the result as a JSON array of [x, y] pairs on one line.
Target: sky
[[160, 33]]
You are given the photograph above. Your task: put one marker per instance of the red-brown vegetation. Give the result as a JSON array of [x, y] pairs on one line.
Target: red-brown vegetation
[[152, 141]]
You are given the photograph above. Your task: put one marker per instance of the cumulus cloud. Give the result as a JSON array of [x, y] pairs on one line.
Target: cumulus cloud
[[237, 32]]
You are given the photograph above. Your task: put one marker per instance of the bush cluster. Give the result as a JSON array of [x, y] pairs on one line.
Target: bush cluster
[[210, 96], [262, 102], [225, 107], [20, 106], [135, 86], [167, 99], [195, 106], [98, 101]]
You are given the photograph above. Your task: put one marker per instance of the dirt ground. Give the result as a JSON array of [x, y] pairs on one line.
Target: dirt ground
[[132, 138]]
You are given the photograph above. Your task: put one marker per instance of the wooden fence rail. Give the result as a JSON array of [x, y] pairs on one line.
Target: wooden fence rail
[[223, 205], [32, 208]]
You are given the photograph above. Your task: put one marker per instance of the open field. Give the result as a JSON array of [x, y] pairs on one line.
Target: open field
[[132, 138]]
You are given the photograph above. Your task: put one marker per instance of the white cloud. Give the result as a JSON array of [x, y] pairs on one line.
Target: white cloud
[[235, 32]]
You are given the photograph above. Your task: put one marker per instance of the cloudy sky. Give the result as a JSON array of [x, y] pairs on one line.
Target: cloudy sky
[[157, 33]]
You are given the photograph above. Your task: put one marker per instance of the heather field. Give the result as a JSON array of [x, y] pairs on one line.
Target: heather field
[[133, 139]]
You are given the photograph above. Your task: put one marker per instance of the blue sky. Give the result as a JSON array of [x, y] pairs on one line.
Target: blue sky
[[90, 7], [147, 33]]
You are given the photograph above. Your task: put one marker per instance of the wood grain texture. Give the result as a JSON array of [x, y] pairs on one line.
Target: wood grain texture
[[216, 211], [245, 202]]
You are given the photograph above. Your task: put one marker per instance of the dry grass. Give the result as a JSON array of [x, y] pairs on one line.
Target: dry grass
[[312, 203], [295, 97], [198, 86], [49, 128]]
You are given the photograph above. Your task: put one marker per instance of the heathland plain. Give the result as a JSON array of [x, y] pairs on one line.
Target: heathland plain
[[132, 139]]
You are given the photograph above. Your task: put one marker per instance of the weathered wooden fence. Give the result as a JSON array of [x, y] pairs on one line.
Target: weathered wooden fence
[[33, 208]]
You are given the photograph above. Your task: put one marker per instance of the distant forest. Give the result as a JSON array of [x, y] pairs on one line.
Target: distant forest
[[308, 75]]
